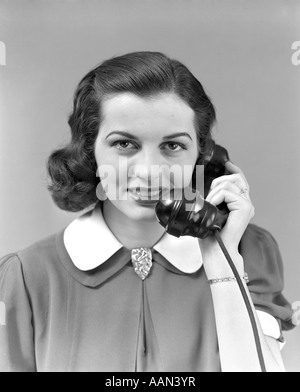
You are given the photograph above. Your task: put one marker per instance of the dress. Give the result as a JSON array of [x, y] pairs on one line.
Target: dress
[[64, 317]]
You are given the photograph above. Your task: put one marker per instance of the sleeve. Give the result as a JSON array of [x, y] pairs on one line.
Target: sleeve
[[263, 263], [16, 331]]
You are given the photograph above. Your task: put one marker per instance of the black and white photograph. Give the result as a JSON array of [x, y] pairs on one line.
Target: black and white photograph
[[150, 181]]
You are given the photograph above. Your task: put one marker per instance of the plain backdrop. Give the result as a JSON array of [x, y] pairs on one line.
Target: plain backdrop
[[240, 50]]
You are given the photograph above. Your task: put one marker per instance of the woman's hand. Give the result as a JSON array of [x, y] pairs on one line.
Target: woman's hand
[[233, 189]]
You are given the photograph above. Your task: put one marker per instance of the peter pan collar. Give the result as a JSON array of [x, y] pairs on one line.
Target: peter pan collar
[[90, 243]]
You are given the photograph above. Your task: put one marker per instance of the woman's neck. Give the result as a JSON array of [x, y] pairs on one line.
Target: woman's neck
[[131, 233]]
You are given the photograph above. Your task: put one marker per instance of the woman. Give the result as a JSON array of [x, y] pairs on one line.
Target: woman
[[79, 301]]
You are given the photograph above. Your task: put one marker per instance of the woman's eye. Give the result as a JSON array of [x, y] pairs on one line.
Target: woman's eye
[[123, 145], [172, 146]]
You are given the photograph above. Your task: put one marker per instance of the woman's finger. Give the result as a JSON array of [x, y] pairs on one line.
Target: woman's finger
[[233, 201], [230, 186], [238, 179]]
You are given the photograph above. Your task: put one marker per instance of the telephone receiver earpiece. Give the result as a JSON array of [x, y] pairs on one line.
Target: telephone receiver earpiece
[[186, 212]]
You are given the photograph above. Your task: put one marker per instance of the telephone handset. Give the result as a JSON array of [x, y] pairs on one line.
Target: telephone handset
[[196, 218]]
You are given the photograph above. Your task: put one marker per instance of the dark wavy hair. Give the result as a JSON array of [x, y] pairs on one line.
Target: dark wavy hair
[[73, 169]]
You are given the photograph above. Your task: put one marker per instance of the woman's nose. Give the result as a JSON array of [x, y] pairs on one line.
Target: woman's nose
[[148, 167]]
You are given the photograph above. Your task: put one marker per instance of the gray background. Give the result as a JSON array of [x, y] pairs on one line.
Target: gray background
[[239, 49]]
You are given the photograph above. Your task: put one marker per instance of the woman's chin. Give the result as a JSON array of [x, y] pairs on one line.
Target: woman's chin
[[141, 213], [133, 210]]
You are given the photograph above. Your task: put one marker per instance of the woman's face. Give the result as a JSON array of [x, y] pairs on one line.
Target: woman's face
[[141, 142]]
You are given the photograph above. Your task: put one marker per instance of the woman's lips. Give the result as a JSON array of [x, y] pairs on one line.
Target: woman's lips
[[145, 195]]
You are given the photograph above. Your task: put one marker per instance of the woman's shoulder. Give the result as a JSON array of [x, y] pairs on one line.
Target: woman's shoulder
[[44, 246], [262, 256], [258, 233], [264, 265], [258, 243], [33, 260]]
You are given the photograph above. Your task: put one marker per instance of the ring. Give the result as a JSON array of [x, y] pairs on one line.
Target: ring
[[243, 190]]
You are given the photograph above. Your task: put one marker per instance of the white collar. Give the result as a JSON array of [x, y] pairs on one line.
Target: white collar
[[90, 243]]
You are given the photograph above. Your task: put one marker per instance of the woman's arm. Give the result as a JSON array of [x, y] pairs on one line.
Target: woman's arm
[[235, 335], [236, 340]]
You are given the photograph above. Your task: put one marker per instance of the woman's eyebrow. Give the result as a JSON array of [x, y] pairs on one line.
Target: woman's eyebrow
[[122, 133], [178, 134], [129, 135]]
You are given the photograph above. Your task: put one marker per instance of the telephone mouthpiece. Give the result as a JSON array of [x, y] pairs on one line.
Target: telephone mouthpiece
[[167, 207], [164, 210]]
